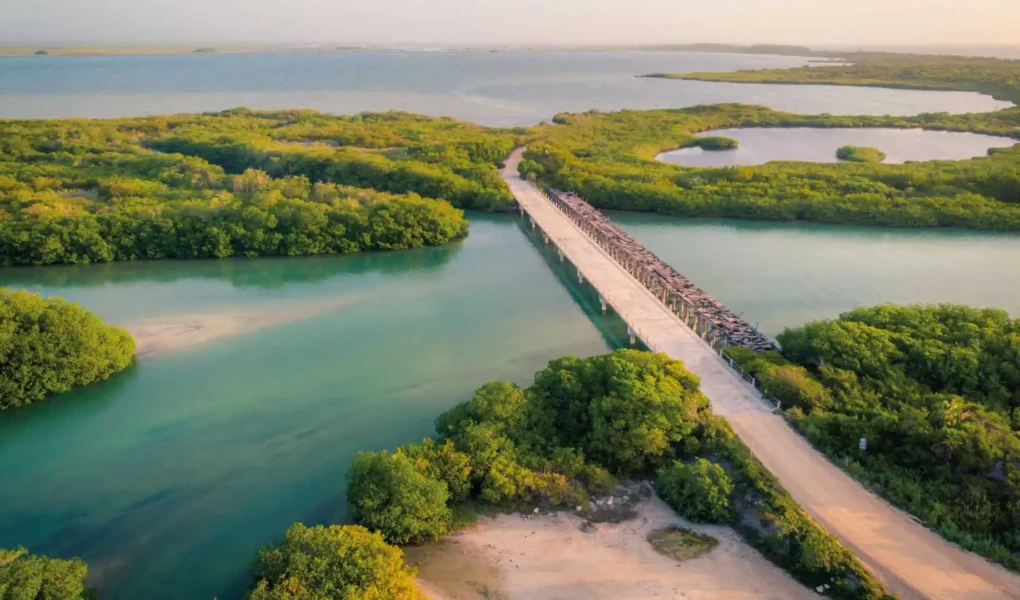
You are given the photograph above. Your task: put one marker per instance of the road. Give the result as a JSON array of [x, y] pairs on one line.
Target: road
[[910, 560]]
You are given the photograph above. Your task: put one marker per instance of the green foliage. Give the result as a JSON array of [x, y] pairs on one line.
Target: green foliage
[[680, 544], [713, 143], [860, 154], [389, 493], [50, 346], [935, 392], [332, 563], [24, 576], [241, 183], [769, 519], [556, 443], [700, 491], [995, 76], [609, 159]]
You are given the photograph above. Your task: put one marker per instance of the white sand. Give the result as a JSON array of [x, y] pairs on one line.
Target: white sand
[[158, 336], [548, 557]]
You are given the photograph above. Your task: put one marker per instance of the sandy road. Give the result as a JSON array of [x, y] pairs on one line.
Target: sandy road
[[910, 560]]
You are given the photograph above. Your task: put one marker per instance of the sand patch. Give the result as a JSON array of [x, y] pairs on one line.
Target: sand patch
[[158, 336], [549, 557]]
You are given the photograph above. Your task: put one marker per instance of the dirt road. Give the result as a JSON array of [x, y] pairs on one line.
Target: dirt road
[[912, 561]]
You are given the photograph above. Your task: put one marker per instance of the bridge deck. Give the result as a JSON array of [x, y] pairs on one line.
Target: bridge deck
[[912, 561]]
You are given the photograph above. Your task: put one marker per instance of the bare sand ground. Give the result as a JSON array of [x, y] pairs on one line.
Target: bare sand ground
[[158, 336], [911, 560], [549, 557]]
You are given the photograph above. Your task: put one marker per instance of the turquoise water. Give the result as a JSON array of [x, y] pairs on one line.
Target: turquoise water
[[761, 145], [505, 89], [170, 476], [785, 274]]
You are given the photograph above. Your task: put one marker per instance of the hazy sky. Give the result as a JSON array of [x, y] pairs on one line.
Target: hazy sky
[[816, 22]]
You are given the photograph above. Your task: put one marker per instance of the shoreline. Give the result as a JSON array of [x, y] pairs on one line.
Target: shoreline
[[554, 556], [158, 336]]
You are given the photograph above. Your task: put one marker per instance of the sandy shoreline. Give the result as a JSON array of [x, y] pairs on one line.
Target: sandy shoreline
[[549, 557], [158, 336]]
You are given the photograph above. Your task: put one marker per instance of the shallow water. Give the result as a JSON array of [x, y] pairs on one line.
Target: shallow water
[[784, 274], [761, 145], [503, 89], [169, 477]]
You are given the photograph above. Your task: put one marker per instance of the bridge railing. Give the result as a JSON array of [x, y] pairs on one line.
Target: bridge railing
[[719, 328], [692, 316]]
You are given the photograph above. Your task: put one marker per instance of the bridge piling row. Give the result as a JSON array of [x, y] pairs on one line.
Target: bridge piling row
[[707, 317]]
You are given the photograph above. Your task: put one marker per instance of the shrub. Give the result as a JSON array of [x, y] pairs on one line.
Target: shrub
[[27, 577], [388, 493], [336, 563], [50, 346], [699, 491], [715, 142], [860, 154]]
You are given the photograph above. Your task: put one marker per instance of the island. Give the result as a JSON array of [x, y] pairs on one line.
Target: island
[[860, 154]]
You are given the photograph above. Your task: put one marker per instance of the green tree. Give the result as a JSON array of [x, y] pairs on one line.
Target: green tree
[[699, 491], [50, 346], [332, 563], [24, 576], [389, 494]]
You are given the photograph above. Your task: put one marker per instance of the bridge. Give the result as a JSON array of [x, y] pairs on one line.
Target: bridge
[[672, 316]]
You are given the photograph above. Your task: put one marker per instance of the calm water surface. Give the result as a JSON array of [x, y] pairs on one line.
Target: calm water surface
[[168, 477], [505, 89], [761, 145], [785, 274]]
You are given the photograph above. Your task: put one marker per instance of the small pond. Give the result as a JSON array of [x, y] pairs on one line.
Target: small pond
[[761, 145]]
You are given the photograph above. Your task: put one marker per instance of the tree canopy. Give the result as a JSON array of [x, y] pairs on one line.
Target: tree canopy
[[332, 563], [934, 391], [582, 423], [50, 346], [241, 183], [24, 576]]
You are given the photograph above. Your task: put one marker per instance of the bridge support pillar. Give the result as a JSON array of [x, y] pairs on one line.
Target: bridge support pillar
[[560, 252], [533, 224], [633, 336], [580, 276], [546, 238], [602, 300]]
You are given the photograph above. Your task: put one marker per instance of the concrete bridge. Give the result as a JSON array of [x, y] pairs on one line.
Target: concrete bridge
[[671, 315]]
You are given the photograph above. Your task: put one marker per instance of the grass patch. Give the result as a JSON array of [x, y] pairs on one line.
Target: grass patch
[[681, 544]]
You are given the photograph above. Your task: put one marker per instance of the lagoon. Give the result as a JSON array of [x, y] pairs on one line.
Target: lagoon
[[766, 144]]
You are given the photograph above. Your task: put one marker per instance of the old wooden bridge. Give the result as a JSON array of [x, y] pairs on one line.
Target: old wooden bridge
[[673, 316]]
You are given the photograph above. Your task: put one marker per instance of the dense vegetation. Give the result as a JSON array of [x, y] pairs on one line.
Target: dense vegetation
[[240, 183], [582, 424], [610, 160], [49, 346], [24, 576], [935, 391], [994, 76], [860, 154], [335, 563], [714, 142]]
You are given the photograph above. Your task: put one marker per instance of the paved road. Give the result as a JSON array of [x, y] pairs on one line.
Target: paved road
[[910, 560]]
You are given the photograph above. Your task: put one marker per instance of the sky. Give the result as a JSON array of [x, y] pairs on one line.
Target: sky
[[511, 22]]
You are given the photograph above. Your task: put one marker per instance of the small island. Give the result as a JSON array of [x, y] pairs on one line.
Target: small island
[[860, 154], [713, 143]]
